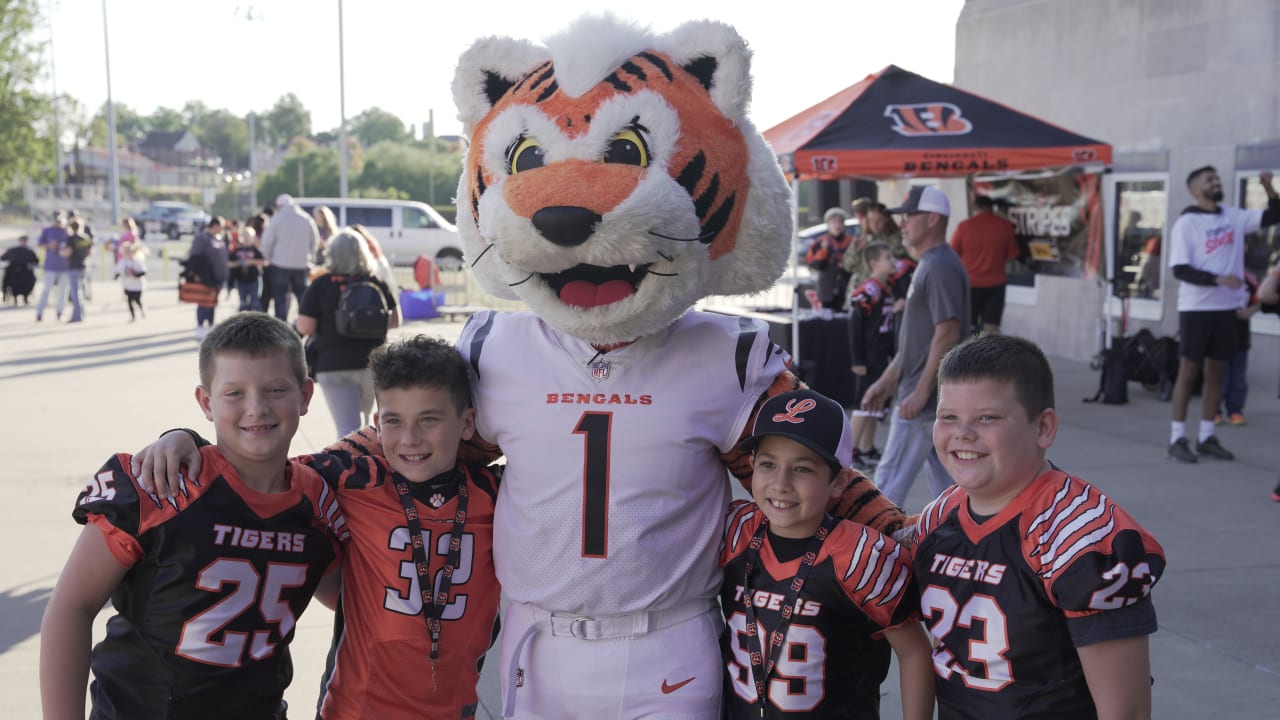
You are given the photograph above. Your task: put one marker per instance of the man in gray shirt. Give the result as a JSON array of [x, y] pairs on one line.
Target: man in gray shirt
[[289, 242], [935, 319]]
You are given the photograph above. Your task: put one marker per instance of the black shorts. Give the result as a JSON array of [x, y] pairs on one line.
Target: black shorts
[[1209, 333], [862, 382], [987, 305]]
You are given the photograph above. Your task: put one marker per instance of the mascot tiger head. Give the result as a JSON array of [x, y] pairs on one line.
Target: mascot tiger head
[[612, 177]]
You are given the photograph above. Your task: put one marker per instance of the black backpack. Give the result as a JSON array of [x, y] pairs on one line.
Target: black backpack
[[362, 311]]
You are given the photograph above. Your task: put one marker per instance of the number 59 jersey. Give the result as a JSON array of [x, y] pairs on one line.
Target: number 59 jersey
[[216, 581], [1008, 600], [614, 492]]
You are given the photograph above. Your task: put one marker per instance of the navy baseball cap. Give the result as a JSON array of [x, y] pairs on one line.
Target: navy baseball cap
[[811, 419], [924, 198]]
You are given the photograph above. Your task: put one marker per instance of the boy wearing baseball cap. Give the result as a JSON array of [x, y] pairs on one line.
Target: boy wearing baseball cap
[[808, 597]]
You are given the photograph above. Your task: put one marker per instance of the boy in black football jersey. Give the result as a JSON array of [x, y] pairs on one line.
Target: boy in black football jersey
[[871, 345], [208, 585], [1034, 584], [807, 597]]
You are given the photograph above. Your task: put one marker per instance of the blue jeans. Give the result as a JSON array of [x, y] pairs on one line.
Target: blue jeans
[[1235, 385], [75, 277], [909, 446], [53, 279], [204, 316], [250, 292], [284, 281]]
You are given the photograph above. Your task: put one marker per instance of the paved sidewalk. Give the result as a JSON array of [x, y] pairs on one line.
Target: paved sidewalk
[[76, 393]]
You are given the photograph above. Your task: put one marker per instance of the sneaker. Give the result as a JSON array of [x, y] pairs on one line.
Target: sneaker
[[1211, 447], [1180, 450], [872, 456], [1237, 419], [201, 331], [859, 461], [1275, 494], [1217, 419]]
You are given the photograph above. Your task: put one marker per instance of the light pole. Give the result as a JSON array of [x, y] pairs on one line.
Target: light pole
[[53, 77], [111, 126], [342, 127]]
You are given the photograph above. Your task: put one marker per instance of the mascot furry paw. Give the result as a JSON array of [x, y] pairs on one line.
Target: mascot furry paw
[[612, 180]]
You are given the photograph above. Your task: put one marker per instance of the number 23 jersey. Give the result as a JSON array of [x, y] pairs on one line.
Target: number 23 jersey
[[1008, 600], [614, 492], [216, 581]]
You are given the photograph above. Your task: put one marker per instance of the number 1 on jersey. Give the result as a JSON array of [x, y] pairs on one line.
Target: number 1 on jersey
[[596, 427]]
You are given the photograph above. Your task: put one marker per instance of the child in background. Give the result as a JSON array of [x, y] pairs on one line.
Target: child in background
[[132, 270], [1035, 584], [207, 585], [246, 268], [870, 346], [808, 597], [401, 651]]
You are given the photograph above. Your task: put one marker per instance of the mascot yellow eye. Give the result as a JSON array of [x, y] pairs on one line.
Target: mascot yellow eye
[[627, 148], [524, 154]]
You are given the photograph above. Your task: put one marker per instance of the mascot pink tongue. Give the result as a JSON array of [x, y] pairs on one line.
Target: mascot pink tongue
[[585, 294]]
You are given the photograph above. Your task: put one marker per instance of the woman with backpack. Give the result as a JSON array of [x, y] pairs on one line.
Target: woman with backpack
[[345, 314]]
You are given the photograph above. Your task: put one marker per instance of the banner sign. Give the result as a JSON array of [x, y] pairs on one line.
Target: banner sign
[[1058, 219]]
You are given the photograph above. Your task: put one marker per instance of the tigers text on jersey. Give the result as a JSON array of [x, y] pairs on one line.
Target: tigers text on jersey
[[1213, 242], [217, 579], [833, 660], [1007, 601], [383, 668], [614, 488]]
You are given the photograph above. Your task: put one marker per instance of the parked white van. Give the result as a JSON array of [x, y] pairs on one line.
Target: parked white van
[[404, 228]]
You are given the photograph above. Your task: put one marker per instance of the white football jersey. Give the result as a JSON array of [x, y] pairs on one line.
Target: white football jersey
[[1213, 242], [614, 491]]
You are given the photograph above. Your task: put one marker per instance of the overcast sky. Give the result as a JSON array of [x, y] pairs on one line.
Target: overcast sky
[[399, 55]]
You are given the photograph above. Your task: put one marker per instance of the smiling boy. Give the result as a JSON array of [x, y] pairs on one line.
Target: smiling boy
[[808, 597], [406, 482], [208, 585], [1034, 584]]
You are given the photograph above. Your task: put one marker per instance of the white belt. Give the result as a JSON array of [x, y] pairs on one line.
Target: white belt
[[585, 627]]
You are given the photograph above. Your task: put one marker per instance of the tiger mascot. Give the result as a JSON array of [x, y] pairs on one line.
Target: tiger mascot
[[611, 181]]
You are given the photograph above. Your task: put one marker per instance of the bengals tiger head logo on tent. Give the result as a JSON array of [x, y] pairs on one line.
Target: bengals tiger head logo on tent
[[613, 179]]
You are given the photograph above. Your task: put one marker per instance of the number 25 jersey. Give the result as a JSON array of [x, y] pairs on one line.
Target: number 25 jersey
[[216, 581], [1008, 600]]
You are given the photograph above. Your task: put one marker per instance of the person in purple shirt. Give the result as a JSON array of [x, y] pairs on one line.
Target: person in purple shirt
[[55, 266]]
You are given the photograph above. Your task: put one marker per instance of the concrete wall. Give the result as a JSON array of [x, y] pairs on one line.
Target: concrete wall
[[1196, 79]]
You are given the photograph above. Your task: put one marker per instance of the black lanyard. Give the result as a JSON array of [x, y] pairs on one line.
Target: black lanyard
[[433, 606], [761, 668]]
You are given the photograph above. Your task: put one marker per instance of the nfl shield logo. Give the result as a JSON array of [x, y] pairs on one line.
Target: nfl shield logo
[[600, 370]]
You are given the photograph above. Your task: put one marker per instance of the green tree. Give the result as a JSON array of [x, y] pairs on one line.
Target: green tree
[[410, 169], [23, 151], [164, 119], [131, 128], [306, 170], [226, 135], [376, 125], [287, 119]]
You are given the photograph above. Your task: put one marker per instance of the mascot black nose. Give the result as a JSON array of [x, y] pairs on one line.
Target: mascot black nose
[[566, 226]]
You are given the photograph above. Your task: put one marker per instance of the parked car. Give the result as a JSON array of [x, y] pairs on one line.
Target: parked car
[[405, 229], [171, 219]]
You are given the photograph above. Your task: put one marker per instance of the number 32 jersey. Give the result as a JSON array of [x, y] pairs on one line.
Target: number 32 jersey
[[614, 492], [1008, 600], [217, 579]]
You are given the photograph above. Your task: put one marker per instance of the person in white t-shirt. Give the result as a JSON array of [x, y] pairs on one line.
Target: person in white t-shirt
[[1207, 255]]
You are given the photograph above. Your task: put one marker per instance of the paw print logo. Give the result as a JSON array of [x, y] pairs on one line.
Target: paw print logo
[[436, 500]]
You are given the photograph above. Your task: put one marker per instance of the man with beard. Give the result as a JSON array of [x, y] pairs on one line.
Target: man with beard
[[1207, 255]]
